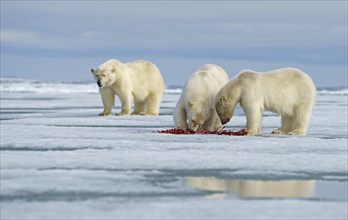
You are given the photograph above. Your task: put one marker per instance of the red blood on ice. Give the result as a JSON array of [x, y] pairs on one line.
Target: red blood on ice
[[242, 132]]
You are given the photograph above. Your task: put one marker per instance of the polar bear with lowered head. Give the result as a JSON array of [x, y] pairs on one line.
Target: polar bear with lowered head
[[139, 81], [195, 109], [286, 91]]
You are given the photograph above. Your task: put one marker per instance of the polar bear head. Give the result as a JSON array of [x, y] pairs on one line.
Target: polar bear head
[[108, 73], [197, 113], [223, 107]]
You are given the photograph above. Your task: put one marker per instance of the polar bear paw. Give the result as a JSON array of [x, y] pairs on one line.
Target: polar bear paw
[[254, 132], [104, 113], [144, 113], [121, 113], [297, 132], [279, 131]]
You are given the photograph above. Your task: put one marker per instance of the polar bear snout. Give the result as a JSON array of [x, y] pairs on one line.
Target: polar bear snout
[[224, 120], [195, 126], [99, 83]]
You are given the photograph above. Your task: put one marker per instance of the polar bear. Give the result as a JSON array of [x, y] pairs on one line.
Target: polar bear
[[139, 81], [195, 109], [286, 91]]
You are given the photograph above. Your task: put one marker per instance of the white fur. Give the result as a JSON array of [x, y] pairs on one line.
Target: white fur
[[195, 108], [139, 81], [287, 91]]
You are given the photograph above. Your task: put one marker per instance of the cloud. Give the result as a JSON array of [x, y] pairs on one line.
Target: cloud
[[159, 25], [296, 32], [26, 39], [246, 44], [18, 37]]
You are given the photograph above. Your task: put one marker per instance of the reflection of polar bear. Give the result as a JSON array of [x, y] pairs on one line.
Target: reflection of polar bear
[[140, 81], [287, 91], [196, 103], [254, 188]]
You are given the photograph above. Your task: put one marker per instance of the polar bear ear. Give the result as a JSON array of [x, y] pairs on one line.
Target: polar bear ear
[[92, 70]]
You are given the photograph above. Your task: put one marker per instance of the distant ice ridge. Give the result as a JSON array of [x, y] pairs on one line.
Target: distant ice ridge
[[332, 91], [20, 85]]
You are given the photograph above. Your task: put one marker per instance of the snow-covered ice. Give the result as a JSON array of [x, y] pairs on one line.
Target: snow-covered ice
[[59, 160]]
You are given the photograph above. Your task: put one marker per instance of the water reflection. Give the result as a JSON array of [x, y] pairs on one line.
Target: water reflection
[[253, 188]]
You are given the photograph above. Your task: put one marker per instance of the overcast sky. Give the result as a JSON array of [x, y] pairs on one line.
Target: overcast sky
[[62, 40]]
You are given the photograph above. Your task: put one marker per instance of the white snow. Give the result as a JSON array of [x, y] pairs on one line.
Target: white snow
[[59, 160]]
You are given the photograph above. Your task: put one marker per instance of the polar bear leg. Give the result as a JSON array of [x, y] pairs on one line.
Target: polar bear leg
[[126, 101], [300, 128], [180, 117], [254, 118], [213, 123], [139, 108], [153, 102], [286, 127], [108, 98], [301, 120], [209, 124]]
